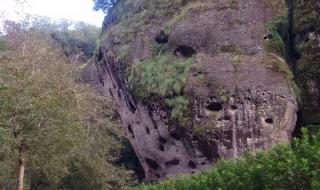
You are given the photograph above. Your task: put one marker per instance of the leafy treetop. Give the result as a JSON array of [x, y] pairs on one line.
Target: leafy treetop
[[104, 5]]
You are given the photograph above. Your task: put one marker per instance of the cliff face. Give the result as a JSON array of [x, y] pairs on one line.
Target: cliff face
[[223, 87]]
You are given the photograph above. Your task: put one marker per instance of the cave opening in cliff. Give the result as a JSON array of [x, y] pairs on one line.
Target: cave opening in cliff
[[192, 164], [152, 164], [100, 55], [214, 106], [234, 107], [162, 140], [173, 162], [131, 131], [148, 130], [161, 148], [184, 51], [269, 120]]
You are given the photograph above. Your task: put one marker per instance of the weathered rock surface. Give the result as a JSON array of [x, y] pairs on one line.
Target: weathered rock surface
[[240, 97]]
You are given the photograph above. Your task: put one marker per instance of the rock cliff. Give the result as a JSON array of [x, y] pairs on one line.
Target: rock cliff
[[195, 81]]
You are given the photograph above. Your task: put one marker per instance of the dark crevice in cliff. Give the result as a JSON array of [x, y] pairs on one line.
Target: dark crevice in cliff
[[293, 54], [172, 162], [152, 163], [214, 106], [184, 51], [293, 57]]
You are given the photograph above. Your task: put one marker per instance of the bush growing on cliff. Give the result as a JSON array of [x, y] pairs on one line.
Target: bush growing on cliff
[[284, 167], [279, 29], [164, 77]]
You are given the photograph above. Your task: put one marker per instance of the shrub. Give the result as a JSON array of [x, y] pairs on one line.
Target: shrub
[[162, 77], [279, 29]]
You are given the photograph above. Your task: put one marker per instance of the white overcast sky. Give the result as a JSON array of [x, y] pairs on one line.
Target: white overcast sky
[[75, 10]]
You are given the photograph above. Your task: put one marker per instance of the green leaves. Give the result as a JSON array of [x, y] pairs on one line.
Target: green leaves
[[61, 121], [279, 29], [165, 77], [104, 5]]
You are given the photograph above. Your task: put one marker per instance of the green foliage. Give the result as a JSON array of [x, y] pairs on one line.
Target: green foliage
[[104, 5], [65, 125], [123, 54], [179, 106], [2, 45], [279, 29], [163, 77], [306, 16], [158, 49], [284, 167], [306, 27], [81, 39]]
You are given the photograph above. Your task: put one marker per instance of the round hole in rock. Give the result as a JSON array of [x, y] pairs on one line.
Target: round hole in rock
[[162, 140], [161, 147], [184, 51], [152, 164], [191, 164], [269, 120], [173, 162], [148, 130], [234, 107], [162, 37], [215, 106]]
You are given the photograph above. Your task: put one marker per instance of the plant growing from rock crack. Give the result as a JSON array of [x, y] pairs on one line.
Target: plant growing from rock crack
[[164, 77], [279, 29]]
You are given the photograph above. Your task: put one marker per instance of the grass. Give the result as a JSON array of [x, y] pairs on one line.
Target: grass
[[164, 77]]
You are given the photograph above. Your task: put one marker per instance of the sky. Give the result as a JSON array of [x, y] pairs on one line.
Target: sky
[[74, 10]]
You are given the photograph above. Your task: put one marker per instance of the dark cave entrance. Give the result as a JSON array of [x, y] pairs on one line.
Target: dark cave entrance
[[214, 106], [184, 51]]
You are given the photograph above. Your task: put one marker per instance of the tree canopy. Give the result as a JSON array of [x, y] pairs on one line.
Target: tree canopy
[[52, 128], [104, 5]]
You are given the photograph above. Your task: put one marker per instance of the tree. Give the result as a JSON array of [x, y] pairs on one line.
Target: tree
[[46, 118], [104, 5]]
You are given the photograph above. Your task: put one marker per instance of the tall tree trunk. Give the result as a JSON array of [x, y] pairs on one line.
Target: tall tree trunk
[[22, 150]]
